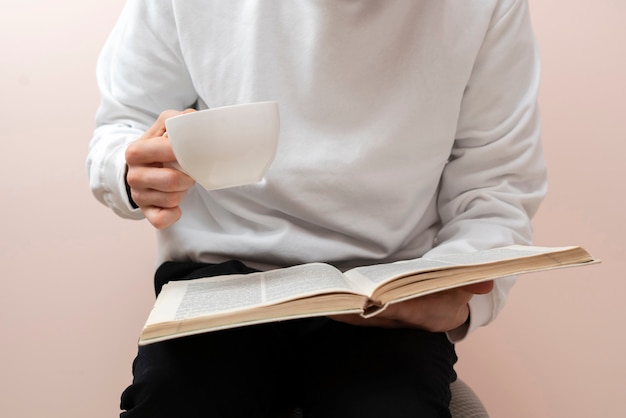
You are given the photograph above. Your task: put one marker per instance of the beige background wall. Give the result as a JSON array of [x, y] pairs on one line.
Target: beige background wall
[[75, 280]]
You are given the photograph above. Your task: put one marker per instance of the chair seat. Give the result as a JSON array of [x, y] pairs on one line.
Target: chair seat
[[465, 403]]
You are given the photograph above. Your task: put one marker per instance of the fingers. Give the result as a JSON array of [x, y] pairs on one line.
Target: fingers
[[158, 192], [156, 187], [149, 197], [161, 218], [153, 147], [438, 312], [148, 151], [145, 178], [413, 314], [162, 209]]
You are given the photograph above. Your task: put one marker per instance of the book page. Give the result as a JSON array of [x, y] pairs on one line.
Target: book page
[[219, 294], [304, 280], [495, 254], [376, 274], [211, 295], [379, 274]]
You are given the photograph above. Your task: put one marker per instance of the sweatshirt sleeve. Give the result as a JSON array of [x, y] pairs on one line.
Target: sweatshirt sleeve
[[495, 178], [140, 73]]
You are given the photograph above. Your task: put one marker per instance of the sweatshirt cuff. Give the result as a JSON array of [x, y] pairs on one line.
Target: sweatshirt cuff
[[481, 313]]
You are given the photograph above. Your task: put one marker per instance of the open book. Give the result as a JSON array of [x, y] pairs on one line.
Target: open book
[[190, 307]]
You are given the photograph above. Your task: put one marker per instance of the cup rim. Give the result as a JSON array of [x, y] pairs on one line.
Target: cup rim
[[226, 107]]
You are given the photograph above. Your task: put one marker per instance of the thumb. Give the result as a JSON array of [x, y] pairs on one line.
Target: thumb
[[158, 128]]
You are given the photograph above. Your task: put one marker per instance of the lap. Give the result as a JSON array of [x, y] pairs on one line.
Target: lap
[[329, 369], [233, 373], [374, 372]]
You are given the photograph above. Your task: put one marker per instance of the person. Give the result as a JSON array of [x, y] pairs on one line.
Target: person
[[408, 128]]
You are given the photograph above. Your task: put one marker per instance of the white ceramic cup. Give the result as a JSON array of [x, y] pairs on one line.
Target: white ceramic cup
[[226, 146]]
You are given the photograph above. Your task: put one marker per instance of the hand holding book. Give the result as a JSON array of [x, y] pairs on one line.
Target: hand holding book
[[437, 312]]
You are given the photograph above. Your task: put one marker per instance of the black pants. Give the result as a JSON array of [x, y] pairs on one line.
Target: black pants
[[327, 368]]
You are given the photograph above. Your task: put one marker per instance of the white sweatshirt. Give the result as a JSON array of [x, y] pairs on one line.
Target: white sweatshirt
[[407, 126]]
